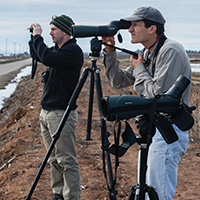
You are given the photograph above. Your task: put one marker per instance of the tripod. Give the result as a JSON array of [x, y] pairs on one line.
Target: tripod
[[138, 191], [95, 75]]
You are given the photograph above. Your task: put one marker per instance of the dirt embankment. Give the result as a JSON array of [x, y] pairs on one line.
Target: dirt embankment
[[22, 149]]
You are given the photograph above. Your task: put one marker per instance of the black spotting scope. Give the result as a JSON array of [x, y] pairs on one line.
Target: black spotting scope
[[80, 31], [120, 107]]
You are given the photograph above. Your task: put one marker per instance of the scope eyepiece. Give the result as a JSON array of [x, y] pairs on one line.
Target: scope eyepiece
[[178, 87]]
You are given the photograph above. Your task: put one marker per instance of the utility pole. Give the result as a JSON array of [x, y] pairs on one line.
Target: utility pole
[[14, 47], [20, 49], [6, 48]]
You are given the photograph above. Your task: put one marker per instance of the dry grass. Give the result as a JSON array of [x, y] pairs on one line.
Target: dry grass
[[195, 101]]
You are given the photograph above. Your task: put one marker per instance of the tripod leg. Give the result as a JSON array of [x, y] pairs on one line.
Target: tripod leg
[[98, 89], [143, 168], [104, 132], [60, 127], [90, 106], [132, 192], [41, 170], [138, 191], [152, 193]]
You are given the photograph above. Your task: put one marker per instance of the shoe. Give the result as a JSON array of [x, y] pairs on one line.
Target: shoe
[[57, 197]]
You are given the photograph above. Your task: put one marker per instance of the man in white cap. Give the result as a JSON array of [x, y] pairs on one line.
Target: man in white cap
[[151, 73]]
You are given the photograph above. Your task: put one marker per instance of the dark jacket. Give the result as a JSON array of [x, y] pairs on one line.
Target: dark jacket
[[64, 65]]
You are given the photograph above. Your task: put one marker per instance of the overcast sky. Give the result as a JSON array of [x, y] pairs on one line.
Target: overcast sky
[[182, 19]]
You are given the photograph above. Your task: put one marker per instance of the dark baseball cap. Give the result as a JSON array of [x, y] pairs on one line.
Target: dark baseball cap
[[148, 13]]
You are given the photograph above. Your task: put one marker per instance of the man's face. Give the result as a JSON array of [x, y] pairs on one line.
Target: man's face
[[56, 34], [139, 33]]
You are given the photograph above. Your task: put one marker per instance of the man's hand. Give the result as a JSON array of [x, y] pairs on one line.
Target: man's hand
[[110, 41], [37, 29], [136, 61]]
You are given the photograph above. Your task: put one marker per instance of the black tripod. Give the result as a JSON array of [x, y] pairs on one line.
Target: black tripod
[[95, 75], [138, 191]]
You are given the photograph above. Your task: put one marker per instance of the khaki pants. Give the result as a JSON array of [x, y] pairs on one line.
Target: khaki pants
[[65, 173]]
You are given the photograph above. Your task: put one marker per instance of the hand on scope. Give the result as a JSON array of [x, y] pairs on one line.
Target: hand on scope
[[37, 29], [110, 41], [136, 61]]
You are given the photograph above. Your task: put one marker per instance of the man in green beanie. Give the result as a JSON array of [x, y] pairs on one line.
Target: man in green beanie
[[64, 62]]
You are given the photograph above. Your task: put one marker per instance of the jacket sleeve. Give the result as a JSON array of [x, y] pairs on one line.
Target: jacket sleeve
[[60, 58], [118, 77]]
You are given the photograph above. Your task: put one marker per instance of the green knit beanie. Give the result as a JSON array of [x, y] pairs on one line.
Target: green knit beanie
[[63, 22]]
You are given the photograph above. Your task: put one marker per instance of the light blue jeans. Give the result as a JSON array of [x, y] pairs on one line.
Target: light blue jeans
[[163, 160], [65, 173]]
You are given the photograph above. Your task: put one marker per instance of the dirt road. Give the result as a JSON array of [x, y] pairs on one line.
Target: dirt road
[[8, 71], [12, 66]]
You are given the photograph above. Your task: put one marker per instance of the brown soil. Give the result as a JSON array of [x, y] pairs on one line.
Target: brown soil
[[22, 150]]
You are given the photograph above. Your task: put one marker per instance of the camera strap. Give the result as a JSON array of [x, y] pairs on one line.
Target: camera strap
[[34, 61], [151, 131], [34, 68], [116, 137], [129, 139], [159, 45]]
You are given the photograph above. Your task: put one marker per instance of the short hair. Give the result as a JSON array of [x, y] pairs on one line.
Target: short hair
[[160, 27]]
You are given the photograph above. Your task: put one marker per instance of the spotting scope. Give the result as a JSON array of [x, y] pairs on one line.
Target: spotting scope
[[120, 107], [80, 31]]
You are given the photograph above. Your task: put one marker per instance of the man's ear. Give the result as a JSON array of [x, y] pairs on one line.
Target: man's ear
[[152, 29]]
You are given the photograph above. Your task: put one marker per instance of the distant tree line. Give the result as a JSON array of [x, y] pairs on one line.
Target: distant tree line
[[188, 51], [192, 51]]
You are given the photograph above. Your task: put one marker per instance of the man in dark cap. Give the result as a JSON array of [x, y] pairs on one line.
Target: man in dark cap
[[64, 62], [151, 73]]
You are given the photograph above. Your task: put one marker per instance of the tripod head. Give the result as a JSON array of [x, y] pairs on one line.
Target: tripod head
[[95, 47]]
